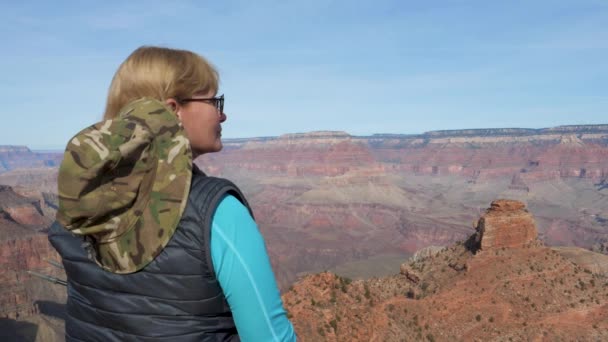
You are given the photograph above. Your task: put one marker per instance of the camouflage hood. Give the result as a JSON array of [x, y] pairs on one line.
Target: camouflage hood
[[124, 183]]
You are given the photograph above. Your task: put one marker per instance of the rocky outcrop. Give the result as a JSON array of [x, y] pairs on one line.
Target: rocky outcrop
[[505, 224], [26, 215], [22, 211], [426, 253], [411, 274]]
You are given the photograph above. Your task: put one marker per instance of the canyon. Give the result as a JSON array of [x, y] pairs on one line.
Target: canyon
[[510, 288], [353, 205], [326, 200]]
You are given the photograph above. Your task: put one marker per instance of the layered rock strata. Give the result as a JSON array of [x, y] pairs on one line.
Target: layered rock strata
[[20, 290], [506, 224], [15, 157], [24, 247], [26, 212]]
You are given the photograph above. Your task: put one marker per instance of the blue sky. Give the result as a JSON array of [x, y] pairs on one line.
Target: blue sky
[[362, 67]]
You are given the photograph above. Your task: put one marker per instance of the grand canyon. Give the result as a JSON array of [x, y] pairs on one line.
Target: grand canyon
[[383, 237]]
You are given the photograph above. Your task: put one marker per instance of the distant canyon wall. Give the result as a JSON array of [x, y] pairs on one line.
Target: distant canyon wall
[[399, 193], [535, 154], [21, 157]]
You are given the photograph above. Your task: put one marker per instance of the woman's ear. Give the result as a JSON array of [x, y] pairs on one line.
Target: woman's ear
[[174, 105]]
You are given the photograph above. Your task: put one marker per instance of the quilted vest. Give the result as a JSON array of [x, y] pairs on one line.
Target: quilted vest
[[176, 297]]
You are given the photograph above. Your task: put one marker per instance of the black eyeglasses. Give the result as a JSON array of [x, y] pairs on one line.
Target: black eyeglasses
[[217, 102]]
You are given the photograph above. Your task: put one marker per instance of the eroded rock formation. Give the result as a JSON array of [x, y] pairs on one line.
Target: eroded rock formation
[[19, 210], [20, 290], [24, 246], [506, 223]]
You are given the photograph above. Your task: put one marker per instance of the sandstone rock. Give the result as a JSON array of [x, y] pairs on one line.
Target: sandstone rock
[[425, 253], [409, 273], [22, 210], [505, 224]]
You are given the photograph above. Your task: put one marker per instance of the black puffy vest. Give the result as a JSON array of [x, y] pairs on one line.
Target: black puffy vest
[[174, 298]]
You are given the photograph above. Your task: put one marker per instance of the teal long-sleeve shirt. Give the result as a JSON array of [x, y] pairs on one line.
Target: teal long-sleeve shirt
[[243, 269]]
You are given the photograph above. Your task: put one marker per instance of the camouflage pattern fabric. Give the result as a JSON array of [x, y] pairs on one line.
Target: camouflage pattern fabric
[[124, 183]]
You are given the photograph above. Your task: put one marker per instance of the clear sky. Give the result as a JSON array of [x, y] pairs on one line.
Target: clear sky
[[362, 67]]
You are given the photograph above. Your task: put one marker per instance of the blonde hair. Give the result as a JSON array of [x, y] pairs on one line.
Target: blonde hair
[[159, 73]]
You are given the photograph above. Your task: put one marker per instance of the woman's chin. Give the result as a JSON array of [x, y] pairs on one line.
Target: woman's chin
[[218, 145]]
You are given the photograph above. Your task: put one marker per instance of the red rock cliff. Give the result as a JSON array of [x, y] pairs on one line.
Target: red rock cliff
[[506, 224], [19, 289]]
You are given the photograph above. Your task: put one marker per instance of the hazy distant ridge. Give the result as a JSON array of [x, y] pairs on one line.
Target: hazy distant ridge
[[569, 129]]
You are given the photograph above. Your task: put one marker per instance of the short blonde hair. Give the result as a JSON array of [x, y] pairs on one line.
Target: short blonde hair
[[159, 73]]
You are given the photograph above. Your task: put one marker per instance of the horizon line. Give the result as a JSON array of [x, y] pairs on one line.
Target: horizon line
[[553, 129]]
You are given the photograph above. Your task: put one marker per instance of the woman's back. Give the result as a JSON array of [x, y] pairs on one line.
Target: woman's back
[[175, 298]]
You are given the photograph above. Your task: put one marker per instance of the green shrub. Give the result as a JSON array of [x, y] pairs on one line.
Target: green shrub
[[424, 286], [367, 293], [334, 324]]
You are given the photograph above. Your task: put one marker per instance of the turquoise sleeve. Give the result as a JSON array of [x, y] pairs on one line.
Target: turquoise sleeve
[[243, 269]]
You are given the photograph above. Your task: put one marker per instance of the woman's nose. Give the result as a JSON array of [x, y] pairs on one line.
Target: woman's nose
[[223, 117]]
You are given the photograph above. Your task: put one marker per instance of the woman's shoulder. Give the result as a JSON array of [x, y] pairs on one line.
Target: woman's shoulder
[[207, 192]]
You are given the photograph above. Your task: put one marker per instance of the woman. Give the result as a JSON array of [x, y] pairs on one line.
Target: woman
[[153, 248]]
